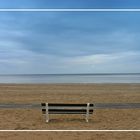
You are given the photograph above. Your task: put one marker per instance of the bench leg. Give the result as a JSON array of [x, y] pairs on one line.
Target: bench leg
[[47, 113], [87, 113]]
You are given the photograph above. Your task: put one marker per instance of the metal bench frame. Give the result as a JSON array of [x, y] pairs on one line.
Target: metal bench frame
[[85, 109]]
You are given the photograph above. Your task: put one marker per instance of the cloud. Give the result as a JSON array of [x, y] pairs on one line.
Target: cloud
[[99, 59], [28, 62], [68, 43]]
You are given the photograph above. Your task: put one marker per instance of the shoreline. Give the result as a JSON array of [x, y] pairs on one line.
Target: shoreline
[[69, 84], [106, 83]]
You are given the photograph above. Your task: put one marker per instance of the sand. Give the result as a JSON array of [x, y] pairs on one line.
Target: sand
[[69, 135], [32, 119]]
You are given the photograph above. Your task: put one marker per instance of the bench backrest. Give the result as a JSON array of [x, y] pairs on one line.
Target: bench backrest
[[59, 108]]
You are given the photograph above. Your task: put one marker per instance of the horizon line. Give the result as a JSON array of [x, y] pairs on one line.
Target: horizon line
[[71, 74]]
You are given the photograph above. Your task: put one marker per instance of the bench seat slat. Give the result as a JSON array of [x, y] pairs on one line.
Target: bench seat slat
[[66, 105], [75, 108], [67, 110], [70, 113]]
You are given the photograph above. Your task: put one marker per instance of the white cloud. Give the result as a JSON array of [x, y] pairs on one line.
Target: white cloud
[[29, 62], [28, 47], [100, 58]]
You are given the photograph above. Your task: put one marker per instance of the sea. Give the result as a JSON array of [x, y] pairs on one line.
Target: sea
[[70, 78]]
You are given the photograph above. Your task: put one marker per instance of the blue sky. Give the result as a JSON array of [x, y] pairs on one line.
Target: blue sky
[[70, 4], [69, 42]]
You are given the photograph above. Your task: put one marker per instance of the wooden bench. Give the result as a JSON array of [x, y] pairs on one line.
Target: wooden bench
[[59, 108]]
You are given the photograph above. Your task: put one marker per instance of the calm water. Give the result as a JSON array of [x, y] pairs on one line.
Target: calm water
[[71, 78]]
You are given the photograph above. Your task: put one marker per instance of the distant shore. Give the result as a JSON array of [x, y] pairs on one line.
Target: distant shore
[[70, 93]]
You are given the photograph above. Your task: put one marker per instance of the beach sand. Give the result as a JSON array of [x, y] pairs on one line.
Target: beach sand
[[32, 119], [70, 93], [69, 135]]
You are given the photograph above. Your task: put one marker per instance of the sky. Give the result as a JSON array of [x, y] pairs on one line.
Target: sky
[[69, 42]]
